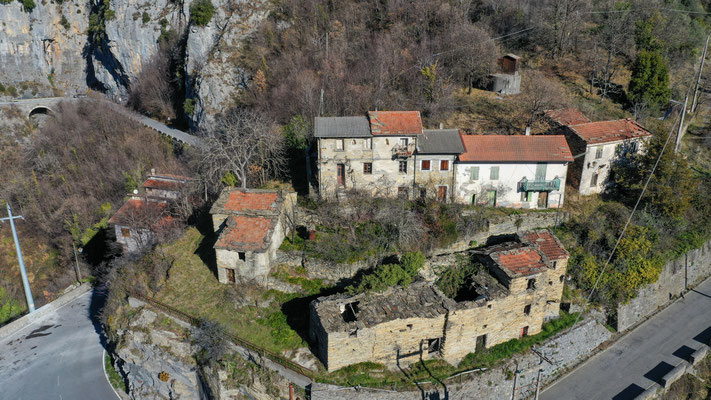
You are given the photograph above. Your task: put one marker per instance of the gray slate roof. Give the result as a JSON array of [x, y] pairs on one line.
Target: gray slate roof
[[440, 141], [341, 127]]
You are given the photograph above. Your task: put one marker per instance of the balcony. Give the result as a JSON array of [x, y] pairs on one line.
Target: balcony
[[539, 186], [403, 151]]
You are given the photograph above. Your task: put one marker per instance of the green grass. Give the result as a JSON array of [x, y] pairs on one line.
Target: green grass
[[114, 377]]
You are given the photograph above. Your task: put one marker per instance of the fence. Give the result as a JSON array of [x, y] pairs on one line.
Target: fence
[[262, 352]]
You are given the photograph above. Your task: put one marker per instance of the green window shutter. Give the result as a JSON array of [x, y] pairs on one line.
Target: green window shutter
[[494, 173], [474, 173]]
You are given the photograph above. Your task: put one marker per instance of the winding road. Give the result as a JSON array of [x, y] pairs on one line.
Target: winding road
[[59, 356]]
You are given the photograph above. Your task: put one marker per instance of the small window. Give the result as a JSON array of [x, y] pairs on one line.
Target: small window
[[387, 142], [634, 146], [339, 144], [598, 152], [353, 142], [433, 345], [593, 180], [444, 165], [524, 331], [484, 326], [242, 255], [409, 326], [488, 306], [367, 168], [425, 165], [403, 167], [531, 284], [494, 175], [368, 143], [555, 264], [473, 199], [562, 277], [527, 309], [474, 173], [404, 141], [125, 232]]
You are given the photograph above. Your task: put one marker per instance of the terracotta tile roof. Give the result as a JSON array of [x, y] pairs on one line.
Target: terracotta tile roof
[[239, 201], [134, 210], [515, 148], [567, 116], [523, 262], [162, 184], [547, 244], [245, 233], [395, 122], [609, 131]]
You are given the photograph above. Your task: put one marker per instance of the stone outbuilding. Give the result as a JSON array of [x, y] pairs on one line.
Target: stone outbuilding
[[165, 186], [508, 80], [251, 225], [138, 220], [520, 287]]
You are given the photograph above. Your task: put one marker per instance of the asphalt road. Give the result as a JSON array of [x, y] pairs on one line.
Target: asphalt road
[[59, 356], [643, 356]]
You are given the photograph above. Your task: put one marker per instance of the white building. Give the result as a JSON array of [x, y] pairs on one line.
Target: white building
[[597, 146], [512, 170]]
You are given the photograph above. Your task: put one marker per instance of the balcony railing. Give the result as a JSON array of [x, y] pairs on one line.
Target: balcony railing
[[403, 151], [539, 186]]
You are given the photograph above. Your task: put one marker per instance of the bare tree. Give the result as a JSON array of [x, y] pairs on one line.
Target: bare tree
[[538, 94], [244, 144]]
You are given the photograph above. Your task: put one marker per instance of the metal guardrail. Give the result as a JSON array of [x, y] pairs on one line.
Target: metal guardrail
[[262, 352]]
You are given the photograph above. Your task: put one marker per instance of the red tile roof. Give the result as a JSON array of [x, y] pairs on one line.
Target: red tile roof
[[522, 262], [567, 116], [239, 201], [609, 131], [395, 122], [245, 233], [515, 148], [547, 244], [162, 184], [136, 210]]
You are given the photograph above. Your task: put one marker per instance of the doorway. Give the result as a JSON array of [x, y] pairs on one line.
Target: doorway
[[480, 343], [441, 193], [341, 173], [231, 275], [542, 199], [491, 198]]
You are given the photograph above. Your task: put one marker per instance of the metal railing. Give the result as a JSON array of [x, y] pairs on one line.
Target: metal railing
[[403, 151], [539, 185], [262, 352]]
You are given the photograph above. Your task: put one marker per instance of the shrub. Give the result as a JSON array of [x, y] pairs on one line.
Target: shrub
[[29, 5], [210, 338], [386, 276], [454, 278], [412, 262], [201, 12], [145, 18], [64, 22], [5, 1], [189, 106]]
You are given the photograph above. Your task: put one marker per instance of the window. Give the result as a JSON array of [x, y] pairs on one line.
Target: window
[[403, 167], [444, 165], [598, 152], [125, 232], [339, 144], [526, 196], [634, 146], [524, 331], [555, 264], [433, 345], [593, 180], [474, 173], [531, 284], [367, 168], [387, 142], [242, 255], [368, 144], [494, 175], [527, 309], [403, 141], [425, 165], [473, 199], [353, 141]]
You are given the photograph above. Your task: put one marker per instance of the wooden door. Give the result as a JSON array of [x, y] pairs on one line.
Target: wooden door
[[441, 193], [341, 173], [231, 275], [543, 200]]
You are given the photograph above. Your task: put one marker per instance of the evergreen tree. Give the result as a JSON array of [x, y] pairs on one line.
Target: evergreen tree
[[650, 79]]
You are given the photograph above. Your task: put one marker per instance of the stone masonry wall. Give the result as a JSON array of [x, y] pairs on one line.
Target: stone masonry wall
[[688, 270]]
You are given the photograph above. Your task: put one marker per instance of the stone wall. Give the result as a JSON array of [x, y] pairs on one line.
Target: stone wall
[[688, 270], [565, 351]]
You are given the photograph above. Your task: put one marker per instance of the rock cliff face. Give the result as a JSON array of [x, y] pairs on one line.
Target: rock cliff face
[[46, 52]]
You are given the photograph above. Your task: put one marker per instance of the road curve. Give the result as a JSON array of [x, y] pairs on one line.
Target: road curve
[[60, 356], [643, 356]]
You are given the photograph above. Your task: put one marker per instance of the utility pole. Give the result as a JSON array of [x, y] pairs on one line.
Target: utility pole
[[515, 378], [538, 383], [698, 78], [25, 281], [677, 145], [76, 261]]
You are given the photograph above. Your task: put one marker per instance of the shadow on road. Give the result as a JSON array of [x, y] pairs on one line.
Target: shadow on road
[[704, 336], [657, 373], [703, 294], [631, 392], [683, 352], [98, 299]]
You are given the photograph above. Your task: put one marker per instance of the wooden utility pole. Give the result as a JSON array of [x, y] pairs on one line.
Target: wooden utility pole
[[698, 77], [515, 378], [679, 132], [538, 383]]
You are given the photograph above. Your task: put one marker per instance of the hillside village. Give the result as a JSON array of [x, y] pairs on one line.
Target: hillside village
[[362, 200]]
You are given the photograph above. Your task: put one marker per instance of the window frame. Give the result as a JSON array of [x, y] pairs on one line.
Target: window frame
[[494, 176], [444, 163], [473, 174], [400, 168], [599, 152], [367, 168], [422, 165], [340, 145]]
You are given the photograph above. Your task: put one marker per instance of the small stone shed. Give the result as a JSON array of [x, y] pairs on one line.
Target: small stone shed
[[165, 186], [251, 225], [137, 220], [519, 289]]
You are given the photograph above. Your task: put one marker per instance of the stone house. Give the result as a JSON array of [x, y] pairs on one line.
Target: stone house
[[434, 159], [562, 117], [251, 225], [513, 170], [520, 288], [164, 186], [596, 146], [137, 221]]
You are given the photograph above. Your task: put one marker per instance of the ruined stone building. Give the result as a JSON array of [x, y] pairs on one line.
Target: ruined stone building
[[596, 146], [513, 170], [165, 186], [520, 287], [251, 225]]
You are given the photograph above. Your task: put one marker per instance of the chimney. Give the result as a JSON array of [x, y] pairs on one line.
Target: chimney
[[441, 125], [153, 171], [528, 131]]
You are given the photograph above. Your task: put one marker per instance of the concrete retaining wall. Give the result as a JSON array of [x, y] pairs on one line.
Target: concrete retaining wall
[[688, 270], [27, 319]]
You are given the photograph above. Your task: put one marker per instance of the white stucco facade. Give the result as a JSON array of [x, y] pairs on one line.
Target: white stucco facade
[[503, 188], [598, 160]]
